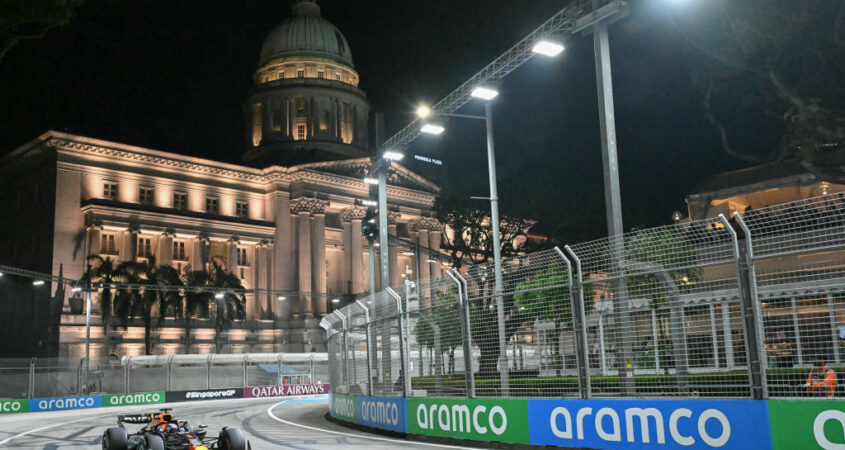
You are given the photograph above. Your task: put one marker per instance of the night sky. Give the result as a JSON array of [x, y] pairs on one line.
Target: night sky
[[173, 76]]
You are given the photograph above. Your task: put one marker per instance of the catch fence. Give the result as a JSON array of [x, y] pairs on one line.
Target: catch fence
[[59, 377], [728, 307]]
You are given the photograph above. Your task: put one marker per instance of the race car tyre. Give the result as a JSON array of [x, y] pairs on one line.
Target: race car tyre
[[231, 439], [151, 442], [115, 439]]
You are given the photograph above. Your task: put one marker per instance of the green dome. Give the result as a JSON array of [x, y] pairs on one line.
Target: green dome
[[306, 34]]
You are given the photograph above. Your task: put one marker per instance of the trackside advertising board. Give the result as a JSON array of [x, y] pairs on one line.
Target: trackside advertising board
[[63, 403], [803, 424], [14, 406], [387, 413], [499, 420], [135, 398], [286, 390], [205, 394], [344, 407], [650, 424]]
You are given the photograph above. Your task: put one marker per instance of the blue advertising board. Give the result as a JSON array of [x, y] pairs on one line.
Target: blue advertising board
[[650, 424], [387, 413], [63, 403]]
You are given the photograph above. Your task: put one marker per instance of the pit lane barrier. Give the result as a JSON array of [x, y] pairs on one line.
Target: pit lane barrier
[[609, 424], [11, 406]]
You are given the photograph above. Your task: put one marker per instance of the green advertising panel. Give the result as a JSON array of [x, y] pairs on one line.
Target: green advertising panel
[[344, 407], [13, 406], [135, 398], [499, 420], [807, 424]]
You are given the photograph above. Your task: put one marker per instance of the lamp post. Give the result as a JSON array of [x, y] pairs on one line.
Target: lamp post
[[487, 94]]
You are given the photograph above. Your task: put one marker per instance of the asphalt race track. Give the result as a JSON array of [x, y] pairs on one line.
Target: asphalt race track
[[267, 423]]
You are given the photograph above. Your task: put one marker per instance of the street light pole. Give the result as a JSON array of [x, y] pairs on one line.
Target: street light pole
[[88, 328], [613, 201], [497, 252]]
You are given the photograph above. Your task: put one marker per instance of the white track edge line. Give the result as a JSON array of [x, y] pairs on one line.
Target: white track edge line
[[361, 436], [9, 439]]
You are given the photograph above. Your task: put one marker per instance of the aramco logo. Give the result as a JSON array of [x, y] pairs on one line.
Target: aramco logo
[[378, 412], [562, 426], [818, 428], [344, 406], [460, 419]]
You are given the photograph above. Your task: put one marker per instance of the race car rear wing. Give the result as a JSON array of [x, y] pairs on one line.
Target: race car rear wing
[[134, 418]]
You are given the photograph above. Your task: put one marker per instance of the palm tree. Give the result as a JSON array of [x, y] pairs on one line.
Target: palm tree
[[195, 303], [144, 300], [230, 306], [105, 271]]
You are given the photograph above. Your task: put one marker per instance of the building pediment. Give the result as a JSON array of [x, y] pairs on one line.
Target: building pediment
[[397, 175]]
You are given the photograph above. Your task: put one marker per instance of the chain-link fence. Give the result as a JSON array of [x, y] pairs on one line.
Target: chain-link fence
[[750, 306], [57, 377]]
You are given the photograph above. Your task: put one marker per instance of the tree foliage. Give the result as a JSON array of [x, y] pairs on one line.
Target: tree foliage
[[782, 57], [22, 20]]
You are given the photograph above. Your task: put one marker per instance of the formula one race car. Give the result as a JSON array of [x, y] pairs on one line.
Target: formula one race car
[[161, 431]]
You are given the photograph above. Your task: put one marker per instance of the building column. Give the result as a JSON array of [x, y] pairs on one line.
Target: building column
[[355, 256], [232, 255], [196, 254], [423, 255], [434, 244], [129, 247], [393, 258], [254, 312], [283, 268], [95, 236], [318, 264], [304, 253], [165, 249], [346, 260]]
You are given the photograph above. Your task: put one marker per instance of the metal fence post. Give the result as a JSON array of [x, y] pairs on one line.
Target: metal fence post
[[576, 292], [31, 390], [169, 371], [79, 385], [367, 340], [466, 328], [279, 380], [311, 368], [208, 371], [344, 374], [246, 355], [126, 369], [751, 314], [403, 342]]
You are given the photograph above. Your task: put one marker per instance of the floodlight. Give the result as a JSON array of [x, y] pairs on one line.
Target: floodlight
[[38, 282], [484, 93], [423, 111], [547, 48], [370, 180], [431, 128], [392, 155]]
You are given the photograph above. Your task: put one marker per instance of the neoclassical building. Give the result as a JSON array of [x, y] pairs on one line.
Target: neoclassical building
[[286, 220]]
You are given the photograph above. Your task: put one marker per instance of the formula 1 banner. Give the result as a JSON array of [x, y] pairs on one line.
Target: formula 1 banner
[[496, 420], [343, 407], [135, 398], [14, 406], [650, 424], [807, 424], [387, 413], [63, 403], [286, 390], [204, 394]]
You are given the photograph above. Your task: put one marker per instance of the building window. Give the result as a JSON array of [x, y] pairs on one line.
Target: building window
[[242, 257], [212, 205], [257, 124], [337, 76], [281, 74], [300, 105], [321, 75], [300, 73], [242, 209], [107, 245], [179, 251], [145, 196], [110, 191], [144, 247], [180, 200], [300, 132]]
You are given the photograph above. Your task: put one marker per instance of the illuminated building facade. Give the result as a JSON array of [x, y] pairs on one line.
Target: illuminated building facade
[[287, 220]]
